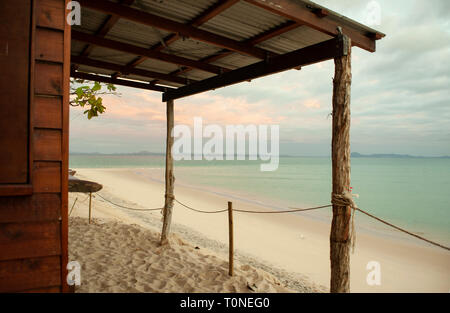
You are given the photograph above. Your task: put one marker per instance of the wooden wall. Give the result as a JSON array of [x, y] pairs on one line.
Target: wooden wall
[[33, 197]]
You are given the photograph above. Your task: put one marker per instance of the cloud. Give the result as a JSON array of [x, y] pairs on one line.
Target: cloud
[[312, 104], [399, 102]]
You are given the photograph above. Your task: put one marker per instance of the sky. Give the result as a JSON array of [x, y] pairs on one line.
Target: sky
[[400, 98]]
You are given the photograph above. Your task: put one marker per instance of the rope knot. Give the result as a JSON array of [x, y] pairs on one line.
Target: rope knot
[[346, 199], [170, 196]]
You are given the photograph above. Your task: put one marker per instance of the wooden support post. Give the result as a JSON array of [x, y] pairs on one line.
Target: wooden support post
[[168, 203], [230, 240], [340, 228], [90, 206]]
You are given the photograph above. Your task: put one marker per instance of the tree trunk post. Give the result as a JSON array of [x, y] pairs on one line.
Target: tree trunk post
[[340, 227], [168, 203]]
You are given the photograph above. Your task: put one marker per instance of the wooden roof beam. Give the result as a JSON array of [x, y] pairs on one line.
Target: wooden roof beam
[[296, 11], [271, 33], [208, 14], [309, 55], [148, 19], [110, 21], [126, 70], [115, 81], [213, 11], [132, 49]]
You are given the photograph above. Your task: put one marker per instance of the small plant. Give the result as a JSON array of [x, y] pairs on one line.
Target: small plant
[[87, 94]]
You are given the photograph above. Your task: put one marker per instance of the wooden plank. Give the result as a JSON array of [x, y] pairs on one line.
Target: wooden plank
[[340, 153], [14, 97], [35, 208], [49, 45], [148, 19], [54, 289], [31, 94], [28, 274], [46, 177], [15, 190], [47, 145], [121, 82], [300, 13], [48, 79], [64, 226], [50, 14], [126, 70], [47, 112], [28, 240], [312, 54]]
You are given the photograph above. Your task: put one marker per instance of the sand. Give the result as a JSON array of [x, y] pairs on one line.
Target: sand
[[119, 257], [276, 253]]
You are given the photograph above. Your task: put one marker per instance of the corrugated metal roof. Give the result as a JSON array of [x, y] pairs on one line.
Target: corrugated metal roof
[[196, 75], [181, 11], [235, 60], [158, 66], [191, 49], [298, 38], [109, 55], [91, 21], [136, 34], [242, 21], [239, 22], [77, 47]]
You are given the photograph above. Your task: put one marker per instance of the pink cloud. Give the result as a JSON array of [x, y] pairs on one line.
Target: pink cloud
[[312, 103]]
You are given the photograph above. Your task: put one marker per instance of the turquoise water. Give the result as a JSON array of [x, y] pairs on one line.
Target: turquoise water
[[411, 192]]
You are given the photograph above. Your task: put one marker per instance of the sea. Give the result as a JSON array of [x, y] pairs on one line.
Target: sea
[[413, 193]]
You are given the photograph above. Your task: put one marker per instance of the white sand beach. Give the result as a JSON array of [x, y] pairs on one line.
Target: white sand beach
[[119, 252]]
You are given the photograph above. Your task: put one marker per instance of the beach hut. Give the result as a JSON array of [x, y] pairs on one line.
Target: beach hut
[[34, 110], [178, 48]]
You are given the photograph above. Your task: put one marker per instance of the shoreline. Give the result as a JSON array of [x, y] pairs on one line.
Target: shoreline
[[367, 226], [293, 243]]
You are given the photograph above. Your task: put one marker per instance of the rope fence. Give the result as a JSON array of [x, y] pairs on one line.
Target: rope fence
[[125, 207], [341, 201], [344, 199]]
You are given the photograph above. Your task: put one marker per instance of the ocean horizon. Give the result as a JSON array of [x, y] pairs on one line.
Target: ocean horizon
[[411, 192]]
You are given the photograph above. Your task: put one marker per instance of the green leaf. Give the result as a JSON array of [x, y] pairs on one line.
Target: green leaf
[[96, 87]]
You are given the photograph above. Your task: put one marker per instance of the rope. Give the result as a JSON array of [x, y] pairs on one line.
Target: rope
[[199, 211], [284, 211], [402, 230], [344, 199], [247, 211], [125, 207]]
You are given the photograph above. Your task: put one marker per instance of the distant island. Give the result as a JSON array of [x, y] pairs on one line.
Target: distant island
[[353, 155], [398, 156], [121, 153]]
